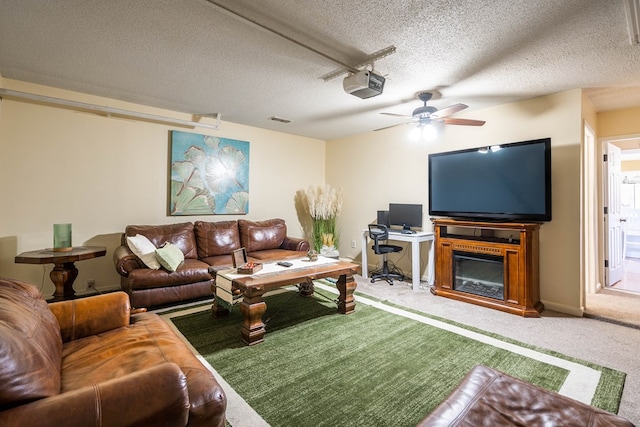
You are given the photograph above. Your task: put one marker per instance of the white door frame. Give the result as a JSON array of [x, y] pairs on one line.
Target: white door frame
[[589, 217]]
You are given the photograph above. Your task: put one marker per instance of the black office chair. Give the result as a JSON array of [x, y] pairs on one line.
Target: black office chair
[[380, 233]]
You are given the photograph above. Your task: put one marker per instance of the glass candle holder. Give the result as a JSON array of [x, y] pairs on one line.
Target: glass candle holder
[[62, 237]]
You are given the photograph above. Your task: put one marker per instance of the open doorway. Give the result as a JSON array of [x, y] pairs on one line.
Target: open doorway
[[608, 237], [630, 213]]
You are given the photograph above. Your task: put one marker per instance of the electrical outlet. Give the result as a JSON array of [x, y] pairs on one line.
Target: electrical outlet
[[91, 284], [353, 243]]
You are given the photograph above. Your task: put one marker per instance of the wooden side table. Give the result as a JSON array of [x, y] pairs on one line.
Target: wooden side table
[[65, 272]]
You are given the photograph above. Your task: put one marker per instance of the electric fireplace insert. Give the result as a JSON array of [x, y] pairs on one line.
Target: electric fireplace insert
[[479, 274]]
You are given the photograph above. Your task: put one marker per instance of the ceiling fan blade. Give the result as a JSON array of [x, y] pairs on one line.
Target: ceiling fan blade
[[392, 126], [396, 115], [447, 111], [463, 122]]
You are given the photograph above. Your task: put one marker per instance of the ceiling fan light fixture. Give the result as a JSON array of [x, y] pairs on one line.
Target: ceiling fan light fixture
[[427, 114], [415, 134], [429, 132], [424, 132], [425, 111]]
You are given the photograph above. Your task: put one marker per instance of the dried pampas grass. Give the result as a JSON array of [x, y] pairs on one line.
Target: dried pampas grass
[[323, 203]]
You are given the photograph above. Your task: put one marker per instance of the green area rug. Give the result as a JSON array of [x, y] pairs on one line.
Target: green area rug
[[320, 368]]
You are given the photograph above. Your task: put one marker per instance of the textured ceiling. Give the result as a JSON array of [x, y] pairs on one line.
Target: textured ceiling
[[195, 57]]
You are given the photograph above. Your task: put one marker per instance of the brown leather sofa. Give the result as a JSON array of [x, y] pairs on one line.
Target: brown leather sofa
[[491, 398], [203, 244], [90, 362]]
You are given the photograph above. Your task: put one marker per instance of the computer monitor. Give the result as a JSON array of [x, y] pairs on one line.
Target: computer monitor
[[405, 215], [383, 218]]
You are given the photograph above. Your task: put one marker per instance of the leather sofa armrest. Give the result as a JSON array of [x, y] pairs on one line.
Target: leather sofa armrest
[[295, 244], [83, 317], [486, 397], [156, 396], [126, 261]]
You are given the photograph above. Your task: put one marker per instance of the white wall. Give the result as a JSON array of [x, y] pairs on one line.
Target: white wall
[[377, 168], [101, 174]]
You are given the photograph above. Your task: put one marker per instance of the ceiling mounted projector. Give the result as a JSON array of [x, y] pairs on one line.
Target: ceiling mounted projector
[[363, 84]]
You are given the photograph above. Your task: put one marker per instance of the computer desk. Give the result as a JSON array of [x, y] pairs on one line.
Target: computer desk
[[415, 239]]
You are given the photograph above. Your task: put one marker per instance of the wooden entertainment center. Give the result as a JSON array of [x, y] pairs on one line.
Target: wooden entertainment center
[[492, 264]]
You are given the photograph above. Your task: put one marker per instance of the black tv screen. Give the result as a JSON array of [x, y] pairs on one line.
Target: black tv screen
[[510, 182]]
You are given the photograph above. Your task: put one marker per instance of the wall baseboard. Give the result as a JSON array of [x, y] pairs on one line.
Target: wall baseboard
[[99, 290], [561, 308]]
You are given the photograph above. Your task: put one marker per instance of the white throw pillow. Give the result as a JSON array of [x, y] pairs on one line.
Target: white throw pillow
[[144, 249]]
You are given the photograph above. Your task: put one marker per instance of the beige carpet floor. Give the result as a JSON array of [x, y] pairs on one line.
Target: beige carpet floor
[[603, 342], [621, 302], [615, 306]]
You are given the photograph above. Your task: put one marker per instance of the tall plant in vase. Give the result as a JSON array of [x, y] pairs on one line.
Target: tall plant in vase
[[323, 203]]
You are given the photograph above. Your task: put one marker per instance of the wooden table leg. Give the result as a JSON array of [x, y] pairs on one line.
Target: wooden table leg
[[63, 275], [252, 308], [217, 310], [346, 286]]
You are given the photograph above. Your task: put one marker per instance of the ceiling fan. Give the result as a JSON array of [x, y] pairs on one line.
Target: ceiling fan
[[428, 114]]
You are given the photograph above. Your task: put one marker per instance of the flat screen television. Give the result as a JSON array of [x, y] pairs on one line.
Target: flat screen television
[[405, 215], [507, 182]]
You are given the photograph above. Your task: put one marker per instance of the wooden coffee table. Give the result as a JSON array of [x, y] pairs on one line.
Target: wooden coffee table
[[254, 287]]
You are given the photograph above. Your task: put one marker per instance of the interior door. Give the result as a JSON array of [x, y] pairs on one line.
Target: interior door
[[614, 222]]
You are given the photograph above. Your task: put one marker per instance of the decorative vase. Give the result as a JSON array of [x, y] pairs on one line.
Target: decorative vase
[[62, 237]]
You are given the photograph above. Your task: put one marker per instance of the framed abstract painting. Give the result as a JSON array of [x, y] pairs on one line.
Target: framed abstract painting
[[209, 175]]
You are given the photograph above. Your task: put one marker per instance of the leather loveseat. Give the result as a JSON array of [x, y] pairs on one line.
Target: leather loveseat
[[204, 244], [90, 362]]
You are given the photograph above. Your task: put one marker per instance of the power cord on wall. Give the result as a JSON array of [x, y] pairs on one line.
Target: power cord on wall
[[44, 270]]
